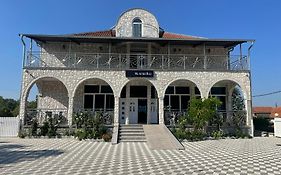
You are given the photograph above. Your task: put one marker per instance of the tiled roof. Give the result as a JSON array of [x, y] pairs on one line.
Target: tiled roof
[[169, 35], [267, 110], [262, 109], [111, 33], [104, 33]]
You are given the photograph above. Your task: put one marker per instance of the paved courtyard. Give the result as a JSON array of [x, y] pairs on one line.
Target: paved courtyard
[[69, 156]]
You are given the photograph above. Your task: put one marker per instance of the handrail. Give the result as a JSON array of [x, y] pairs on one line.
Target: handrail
[[123, 61]]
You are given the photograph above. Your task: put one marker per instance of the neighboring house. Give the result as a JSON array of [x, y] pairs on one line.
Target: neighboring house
[[267, 112], [133, 73]]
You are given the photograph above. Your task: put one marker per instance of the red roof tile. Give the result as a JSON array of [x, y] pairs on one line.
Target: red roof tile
[[169, 35], [104, 33], [262, 109], [111, 33], [268, 110]]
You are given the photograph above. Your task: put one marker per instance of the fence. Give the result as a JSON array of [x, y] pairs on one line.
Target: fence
[[9, 126]]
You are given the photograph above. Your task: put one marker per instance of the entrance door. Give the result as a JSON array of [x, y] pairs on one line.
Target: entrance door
[[142, 111]]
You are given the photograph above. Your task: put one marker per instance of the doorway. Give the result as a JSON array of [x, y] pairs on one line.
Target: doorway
[[142, 111]]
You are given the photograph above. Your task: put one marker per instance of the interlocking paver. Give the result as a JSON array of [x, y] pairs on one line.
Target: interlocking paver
[[70, 156]]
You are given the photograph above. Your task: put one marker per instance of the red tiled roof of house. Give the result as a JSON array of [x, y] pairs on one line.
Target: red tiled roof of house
[[104, 33], [169, 35], [111, 33], [268, 110], [262, 109], [275, 111]]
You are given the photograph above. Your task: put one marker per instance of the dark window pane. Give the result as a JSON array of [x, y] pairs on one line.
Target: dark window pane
[[88, 101], [175, 104], [99, 102], [182, 90], [197, 92], [109, 101], [137, 28], [184, 102], [91, 89], [170, 90], [166, 100], [106, 89], [123, 92], [223, 105], [153, 92], [218, 91], [138, 91]]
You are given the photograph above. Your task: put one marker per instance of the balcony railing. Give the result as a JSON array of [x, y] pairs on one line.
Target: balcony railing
[[116, 61], [235, 118], [42, 115]]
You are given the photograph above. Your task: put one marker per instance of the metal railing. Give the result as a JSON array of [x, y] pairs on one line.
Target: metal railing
[[42, 115], [228, 118], [122, 61], [106, 115]]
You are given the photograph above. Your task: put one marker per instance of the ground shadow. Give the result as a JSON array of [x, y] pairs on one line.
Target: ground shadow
[[14, 153]]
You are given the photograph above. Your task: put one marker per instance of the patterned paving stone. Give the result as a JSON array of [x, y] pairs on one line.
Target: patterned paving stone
[[69, 156]]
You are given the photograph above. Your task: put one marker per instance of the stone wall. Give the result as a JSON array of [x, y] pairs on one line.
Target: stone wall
[[150, 25]]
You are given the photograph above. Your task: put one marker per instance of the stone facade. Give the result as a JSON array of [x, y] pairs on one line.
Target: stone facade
[[65, 67]]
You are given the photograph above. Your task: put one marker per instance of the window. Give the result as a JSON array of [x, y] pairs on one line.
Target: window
[[137, 27], [138, 91]]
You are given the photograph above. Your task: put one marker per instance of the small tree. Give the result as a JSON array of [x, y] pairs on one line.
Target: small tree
[[200, 111]]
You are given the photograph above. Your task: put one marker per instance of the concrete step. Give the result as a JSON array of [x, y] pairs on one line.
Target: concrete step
[[132, 140], [131, 134]]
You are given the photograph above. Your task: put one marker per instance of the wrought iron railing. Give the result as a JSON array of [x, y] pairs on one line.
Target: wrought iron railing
[[228, 118], [122, 61], [42, 115], [106, 115]]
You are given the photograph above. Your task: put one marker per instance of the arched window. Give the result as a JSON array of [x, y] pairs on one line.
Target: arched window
[[137, 27]]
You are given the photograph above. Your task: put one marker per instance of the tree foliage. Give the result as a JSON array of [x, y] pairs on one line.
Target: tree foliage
[[8, 107], [201, 111], [237, 100]]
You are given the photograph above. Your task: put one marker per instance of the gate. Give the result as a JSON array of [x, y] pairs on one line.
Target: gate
[[9, 126]]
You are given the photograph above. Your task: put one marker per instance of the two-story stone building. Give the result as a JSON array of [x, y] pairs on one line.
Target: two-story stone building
[[135, 72]]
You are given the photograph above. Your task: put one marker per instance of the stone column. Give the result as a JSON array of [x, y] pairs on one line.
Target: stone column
[[148, 104], [22, 109], [127, 105], [116, 110], [161, 110], [70, 111], [249, 119]]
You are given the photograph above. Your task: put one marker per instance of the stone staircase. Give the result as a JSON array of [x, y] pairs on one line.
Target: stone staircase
[[131, 133]]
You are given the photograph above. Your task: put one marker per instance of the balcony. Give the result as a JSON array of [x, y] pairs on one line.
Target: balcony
[[122, 61]]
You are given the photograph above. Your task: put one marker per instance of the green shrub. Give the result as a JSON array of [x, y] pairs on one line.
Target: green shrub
[[217, 134], [34, 127], [22, 134], [45, 128], [81, 134]]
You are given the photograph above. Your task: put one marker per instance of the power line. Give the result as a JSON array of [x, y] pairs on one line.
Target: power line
[[271, 93]]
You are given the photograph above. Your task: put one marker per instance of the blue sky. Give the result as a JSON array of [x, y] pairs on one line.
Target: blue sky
[[259, 20]]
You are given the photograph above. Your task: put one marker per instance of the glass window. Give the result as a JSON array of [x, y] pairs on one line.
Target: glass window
[[166, 101], [218, 91], [99, 102], [91, 89], [184, 102], [223, 105], [182, 90], [138, 91], [137, 27], [106, 89], [109, 101], [175, 102], [88, 101], [153, 92], [170, 90]]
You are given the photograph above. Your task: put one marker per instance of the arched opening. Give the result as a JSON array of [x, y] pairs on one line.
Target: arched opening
[[233, 109], [95, 96], [176, 99], [137, 27], [138, 103], [46, 97]]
